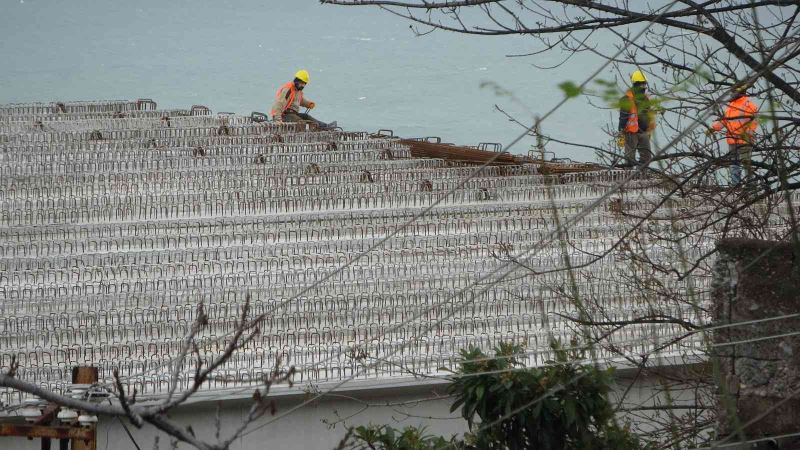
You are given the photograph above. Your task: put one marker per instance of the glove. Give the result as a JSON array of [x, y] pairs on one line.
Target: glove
[[621, 140], [311, 105]]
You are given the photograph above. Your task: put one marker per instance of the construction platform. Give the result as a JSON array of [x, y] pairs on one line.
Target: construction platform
[[375, 258]]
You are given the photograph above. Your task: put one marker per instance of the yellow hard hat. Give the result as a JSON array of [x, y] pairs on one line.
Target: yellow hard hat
[[302, 75], [638, 77]]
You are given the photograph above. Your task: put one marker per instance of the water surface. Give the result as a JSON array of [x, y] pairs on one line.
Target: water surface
[[368, 69]]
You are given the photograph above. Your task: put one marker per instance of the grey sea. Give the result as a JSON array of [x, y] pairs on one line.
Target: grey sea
[[369, 70]]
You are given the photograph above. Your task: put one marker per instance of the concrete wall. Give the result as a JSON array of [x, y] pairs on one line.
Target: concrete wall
[[310, 427], [758, 280], [305, 428]]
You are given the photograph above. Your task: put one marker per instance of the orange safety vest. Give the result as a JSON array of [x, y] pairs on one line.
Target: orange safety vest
[[739, 121], [292, 92], [632, 124]]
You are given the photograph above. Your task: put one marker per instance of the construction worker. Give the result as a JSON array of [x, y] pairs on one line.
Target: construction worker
[[740, 124], [289, 99], [636, 122]]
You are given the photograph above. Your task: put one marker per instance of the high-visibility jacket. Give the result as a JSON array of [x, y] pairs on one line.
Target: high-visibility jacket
[[629, 114], [739, 121], [288, 97]]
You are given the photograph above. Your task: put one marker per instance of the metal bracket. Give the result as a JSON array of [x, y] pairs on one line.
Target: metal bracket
[[490, 146], [428, 139], [200, 110], [146, 104], [258, 117]]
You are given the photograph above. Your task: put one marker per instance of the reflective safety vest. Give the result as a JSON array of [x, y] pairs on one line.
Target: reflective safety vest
[[739, 121], [290, 100], [632, 123]]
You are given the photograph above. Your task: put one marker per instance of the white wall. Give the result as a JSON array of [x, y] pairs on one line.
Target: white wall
[[306, 427]]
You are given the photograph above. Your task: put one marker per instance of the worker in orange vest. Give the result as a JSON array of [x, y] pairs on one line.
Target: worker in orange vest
[[636, 122], [289, 99], [740, 124]]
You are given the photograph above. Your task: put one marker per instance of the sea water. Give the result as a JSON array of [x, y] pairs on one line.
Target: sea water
[[369, 70]]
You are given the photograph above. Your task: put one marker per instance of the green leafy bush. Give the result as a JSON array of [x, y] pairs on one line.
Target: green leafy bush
[[560, 406], [384, 437], [563, 405]]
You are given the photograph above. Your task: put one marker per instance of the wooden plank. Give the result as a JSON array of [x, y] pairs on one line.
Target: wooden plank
[[48, 414], [420, 149], [42, 431], [86, 444], [85, 375]]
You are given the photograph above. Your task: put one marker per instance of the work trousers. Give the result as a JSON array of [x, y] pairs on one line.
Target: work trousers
[[637, 142], [292, 116], [741, 155]]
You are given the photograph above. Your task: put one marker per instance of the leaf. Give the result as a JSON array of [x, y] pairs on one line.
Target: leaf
[[606, 83], [389, 433], [569, 410], [537, 410], [498, 90], [570, 89], [469, 411]]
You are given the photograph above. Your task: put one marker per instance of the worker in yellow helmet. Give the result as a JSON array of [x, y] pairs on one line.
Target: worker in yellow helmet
[[636, 121], [289, 99]]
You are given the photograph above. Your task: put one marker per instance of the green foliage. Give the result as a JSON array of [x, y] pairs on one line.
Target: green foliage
[[563, 405], [499, 90], [615, 98], [570, 89], [410, 438], [609, 92], [560, 406]]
